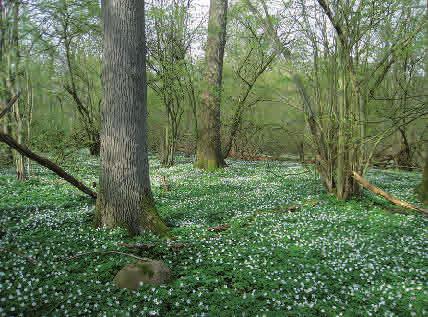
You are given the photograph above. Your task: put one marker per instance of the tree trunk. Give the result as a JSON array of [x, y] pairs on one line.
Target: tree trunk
[[125, 197], [12, 83], [6, 129], [422, 189], [208, 153], [404, 159], [236, 122], [19, 132], [28, 121], [168, 148], [94, 146], [301, 149]]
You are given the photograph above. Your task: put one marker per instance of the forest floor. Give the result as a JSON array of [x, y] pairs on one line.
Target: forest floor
[[290, 248]]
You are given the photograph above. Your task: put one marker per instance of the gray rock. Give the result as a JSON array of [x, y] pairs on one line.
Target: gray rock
[[148, 272]]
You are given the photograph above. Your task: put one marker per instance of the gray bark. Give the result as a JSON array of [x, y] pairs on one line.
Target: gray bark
[[125, 197], [209, 155]]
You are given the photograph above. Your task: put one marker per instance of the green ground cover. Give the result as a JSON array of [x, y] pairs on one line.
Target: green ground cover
[[323, 258]]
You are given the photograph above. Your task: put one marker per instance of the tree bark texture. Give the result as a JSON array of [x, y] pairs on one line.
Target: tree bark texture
[[422, 189], [209, 154], [125, 197], [12, 85]]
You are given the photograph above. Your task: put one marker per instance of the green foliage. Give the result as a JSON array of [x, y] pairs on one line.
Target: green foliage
[[325, 258]]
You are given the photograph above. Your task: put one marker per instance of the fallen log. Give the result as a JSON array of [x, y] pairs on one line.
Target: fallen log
[[23, 150], [376, 190]]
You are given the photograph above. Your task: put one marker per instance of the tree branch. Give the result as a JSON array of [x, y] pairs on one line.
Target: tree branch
[[23, 150], [387, 196]]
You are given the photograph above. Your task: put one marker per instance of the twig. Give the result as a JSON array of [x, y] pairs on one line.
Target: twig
[[105, 253], [138, 246]]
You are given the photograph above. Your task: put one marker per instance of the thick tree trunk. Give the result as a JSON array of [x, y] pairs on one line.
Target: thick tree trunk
[[125, 197], [208, 153]]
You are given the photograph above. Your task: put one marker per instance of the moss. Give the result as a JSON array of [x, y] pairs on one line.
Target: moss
[[150, 218], [212, 165], [198, 164], [209, 165]]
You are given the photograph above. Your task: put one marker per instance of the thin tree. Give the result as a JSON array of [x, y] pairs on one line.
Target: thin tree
[[342, 142], [169, 44], [125, 197], [10, 77], [209, 154], [253, 56]]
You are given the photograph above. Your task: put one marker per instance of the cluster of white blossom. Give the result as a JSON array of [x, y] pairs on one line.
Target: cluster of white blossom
[[289, 248]]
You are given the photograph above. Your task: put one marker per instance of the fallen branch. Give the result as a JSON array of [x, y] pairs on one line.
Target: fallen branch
[[148, 246], [138, 246], [28, 258], [105, 253], [177, 246], [23, 150], [9, 105], [219, 228], [361, 180]]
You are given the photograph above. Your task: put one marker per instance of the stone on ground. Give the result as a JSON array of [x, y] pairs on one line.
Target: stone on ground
[[148, 272]]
